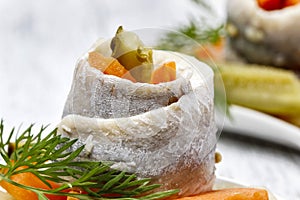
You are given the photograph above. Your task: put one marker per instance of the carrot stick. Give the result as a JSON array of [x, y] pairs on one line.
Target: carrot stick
[[108, 65], [28, 179], [276, 4], [290, 3], [231, 194], [165, 73]]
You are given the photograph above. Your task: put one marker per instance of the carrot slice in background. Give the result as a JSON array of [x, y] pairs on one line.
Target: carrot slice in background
[[270, 4], [276, 4], [212, 51], [290, 3], [232, 194], [109, 65], [164, 73], [28, 179]]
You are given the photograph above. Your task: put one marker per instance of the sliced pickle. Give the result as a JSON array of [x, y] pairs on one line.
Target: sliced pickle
[[271, 90], [130, 51]]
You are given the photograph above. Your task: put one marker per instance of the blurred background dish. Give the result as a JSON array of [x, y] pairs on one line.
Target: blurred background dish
[[264, 31]]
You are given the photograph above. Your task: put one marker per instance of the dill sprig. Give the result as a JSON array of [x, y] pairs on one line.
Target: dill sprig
[[204, 28], [188, 37], [48, 159]]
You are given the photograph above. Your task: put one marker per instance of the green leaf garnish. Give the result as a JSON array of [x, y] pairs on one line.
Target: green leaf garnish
[[188, 37], [47, 158]]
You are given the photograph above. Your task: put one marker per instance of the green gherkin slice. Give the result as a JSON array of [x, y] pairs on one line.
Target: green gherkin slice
[[130, 51], [271, 90]]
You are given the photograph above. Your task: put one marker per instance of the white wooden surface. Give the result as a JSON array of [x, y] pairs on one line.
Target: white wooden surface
[[40, 42]]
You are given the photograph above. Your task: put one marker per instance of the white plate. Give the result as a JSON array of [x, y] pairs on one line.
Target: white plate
[[222, 183], [260, 125]]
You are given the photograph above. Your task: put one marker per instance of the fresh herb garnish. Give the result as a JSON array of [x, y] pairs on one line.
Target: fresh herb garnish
[[204, 28], [47, 159], [188, 37]]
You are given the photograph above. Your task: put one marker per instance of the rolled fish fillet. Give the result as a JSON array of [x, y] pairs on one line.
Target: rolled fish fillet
[[268, 37], [163, 131]]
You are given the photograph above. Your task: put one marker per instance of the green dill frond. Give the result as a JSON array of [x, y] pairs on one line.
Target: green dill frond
[[48, 159]]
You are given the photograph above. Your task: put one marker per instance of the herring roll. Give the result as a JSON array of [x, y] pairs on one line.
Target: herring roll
[[265, 32], [162, 128]]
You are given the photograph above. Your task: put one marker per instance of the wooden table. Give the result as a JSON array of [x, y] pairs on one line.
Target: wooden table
[[259, 163]]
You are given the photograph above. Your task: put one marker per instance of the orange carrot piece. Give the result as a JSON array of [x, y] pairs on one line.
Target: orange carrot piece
[[232, 194], [31, 180], [164, 73], [290, 3], [276, 4], [109, 65], [270, 4], [214, 52]]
